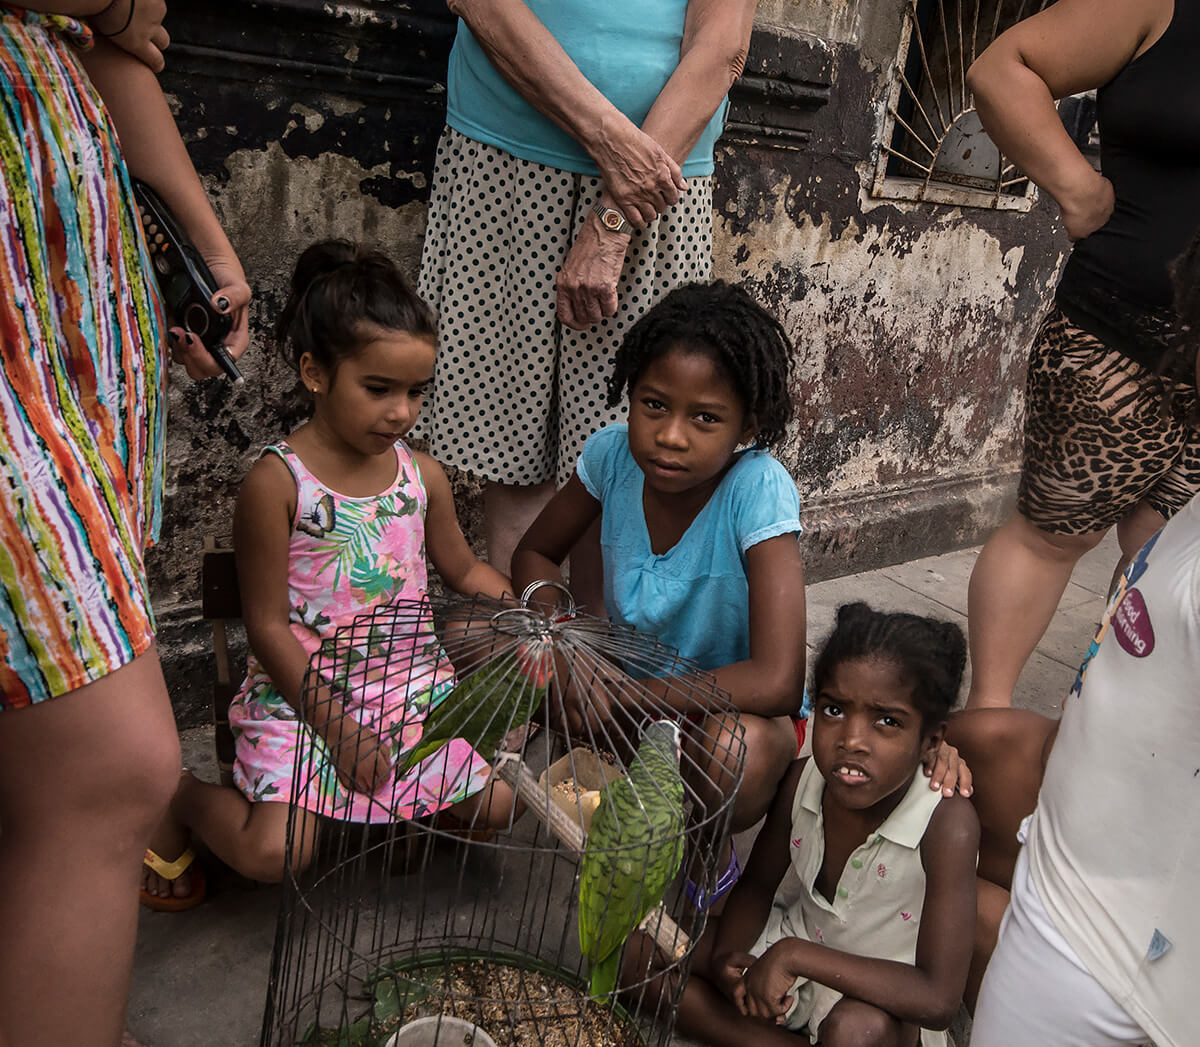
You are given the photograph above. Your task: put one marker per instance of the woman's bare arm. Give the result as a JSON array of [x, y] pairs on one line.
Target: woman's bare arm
[[640, 174], [1072, 46], [716, 40], [155, 153]]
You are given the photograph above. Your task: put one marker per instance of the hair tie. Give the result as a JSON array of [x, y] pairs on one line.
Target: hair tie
[[128, 19]]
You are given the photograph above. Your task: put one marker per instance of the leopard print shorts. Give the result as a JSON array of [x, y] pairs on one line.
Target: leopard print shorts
[[1097, 438]]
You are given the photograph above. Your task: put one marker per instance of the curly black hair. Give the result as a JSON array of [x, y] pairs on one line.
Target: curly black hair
[[744, 340], [929, 652], [338, 287]]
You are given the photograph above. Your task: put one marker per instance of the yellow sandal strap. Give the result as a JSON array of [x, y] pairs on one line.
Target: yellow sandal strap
[[169, 870]]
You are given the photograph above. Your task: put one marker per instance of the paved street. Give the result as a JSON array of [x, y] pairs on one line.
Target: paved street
[[200, 977]]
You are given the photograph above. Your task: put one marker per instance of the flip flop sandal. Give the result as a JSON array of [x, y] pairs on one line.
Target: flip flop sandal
[[705, 900], [172, 871]]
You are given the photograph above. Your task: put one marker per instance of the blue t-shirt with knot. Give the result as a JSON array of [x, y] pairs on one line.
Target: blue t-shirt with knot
[[695, 597]]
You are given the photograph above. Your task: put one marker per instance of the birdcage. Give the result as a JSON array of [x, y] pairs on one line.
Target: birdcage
[[431, 927]]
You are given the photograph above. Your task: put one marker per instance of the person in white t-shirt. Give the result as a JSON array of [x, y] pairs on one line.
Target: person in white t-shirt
[[1101, 942]]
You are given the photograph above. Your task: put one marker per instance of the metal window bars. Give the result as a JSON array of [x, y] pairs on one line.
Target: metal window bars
[[933, 146]]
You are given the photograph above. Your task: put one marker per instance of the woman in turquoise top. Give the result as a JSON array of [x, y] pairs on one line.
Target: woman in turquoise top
[[572, 190]]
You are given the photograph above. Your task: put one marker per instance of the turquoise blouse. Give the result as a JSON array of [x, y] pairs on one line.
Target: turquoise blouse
[[628, 49], [695, 597]]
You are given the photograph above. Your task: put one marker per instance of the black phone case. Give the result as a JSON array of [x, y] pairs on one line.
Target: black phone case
[[185, 281]]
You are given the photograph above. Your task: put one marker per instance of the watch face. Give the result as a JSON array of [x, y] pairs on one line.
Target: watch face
[[612, 220]]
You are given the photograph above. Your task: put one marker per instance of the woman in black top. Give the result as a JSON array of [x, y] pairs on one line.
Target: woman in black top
[[1100, 448]]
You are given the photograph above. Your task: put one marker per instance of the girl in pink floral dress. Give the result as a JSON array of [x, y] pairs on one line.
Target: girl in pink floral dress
[[330, 524]]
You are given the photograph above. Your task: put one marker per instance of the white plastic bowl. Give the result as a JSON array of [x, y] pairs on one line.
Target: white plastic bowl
[[440, 1031]]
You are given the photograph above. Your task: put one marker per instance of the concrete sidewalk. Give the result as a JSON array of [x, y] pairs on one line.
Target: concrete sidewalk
[[200, 977]]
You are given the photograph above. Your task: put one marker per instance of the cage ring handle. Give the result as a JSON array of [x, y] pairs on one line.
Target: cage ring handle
[[541, 583]]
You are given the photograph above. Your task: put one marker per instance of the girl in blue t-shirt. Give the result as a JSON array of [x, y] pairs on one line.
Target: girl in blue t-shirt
[[699, 524]]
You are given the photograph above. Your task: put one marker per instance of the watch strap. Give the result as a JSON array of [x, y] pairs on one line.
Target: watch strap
[[612, 219]]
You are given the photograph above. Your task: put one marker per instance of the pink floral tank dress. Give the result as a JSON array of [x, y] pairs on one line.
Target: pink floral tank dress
[[347, 556]]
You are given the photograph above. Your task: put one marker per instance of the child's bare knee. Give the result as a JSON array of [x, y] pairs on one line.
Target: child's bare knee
[[716, 749], [853, 1023], [265, 866], [645, 978], [266, 858]]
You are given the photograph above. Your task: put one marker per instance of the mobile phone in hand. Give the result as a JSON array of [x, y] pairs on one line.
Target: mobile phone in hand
[[186, 283]]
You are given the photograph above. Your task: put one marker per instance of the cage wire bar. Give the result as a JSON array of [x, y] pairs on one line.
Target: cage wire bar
[[386, 921], [933, 146]]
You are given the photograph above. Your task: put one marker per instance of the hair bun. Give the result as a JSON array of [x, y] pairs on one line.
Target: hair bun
[[849, 613], [321, 259], [337, 287]]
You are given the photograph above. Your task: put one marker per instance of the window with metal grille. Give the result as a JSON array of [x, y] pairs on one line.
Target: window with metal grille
[[933, 146]]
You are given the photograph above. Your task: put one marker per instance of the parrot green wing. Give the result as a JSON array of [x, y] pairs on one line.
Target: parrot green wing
[[481, 708], [634, 850]]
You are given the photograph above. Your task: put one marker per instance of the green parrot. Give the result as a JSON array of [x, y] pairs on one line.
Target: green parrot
[[484, 705], [633, 852]]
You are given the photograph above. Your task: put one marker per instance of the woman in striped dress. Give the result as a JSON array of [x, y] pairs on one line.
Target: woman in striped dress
[[88, 750]]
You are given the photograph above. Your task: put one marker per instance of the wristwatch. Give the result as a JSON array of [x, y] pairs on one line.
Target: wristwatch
[[612, 219]]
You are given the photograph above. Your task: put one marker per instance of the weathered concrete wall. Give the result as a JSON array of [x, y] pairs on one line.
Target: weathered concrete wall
[[912, 319], [309, 119]]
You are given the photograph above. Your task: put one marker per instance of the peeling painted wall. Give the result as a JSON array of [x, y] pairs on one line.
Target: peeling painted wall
[[309, 119], [911, 319]]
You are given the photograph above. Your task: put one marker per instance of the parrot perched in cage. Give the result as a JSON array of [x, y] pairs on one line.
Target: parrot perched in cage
[[634, 850], [483, 706]]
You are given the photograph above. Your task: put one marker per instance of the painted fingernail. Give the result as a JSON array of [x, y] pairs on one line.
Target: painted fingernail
[[223, 304]]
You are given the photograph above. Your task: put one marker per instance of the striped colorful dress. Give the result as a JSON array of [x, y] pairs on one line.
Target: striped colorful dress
[[84, 371]]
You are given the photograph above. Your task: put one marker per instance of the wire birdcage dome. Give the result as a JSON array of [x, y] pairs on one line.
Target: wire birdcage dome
[[625, 758]]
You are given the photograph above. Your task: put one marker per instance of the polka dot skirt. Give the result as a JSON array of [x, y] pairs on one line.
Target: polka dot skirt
[[516, 394]]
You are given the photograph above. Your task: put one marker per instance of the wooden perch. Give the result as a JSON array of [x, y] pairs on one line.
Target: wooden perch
[[657, 923]]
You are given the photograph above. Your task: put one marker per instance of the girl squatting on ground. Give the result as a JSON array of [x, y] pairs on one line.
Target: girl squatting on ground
[[699, 526], [853, 919], [330, 523]]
